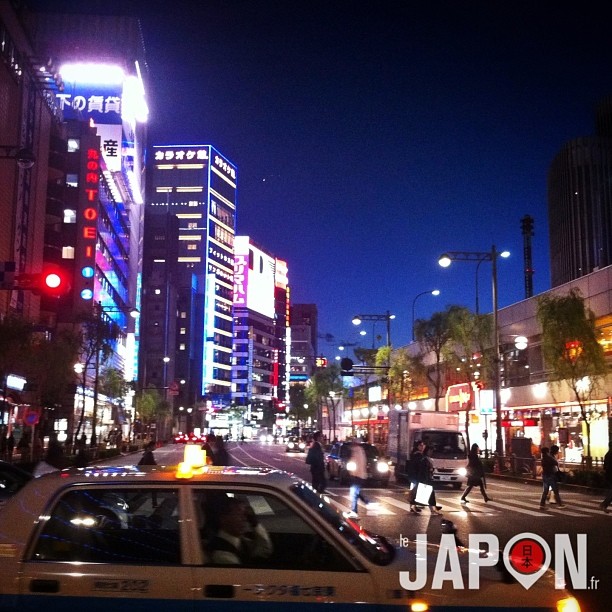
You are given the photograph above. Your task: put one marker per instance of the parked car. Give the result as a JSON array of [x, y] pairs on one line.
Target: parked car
[[295, 445], [12, 479], [339, 454], [142, 538]]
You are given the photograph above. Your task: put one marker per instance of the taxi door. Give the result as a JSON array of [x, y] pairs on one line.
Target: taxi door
[[293, 561], [108, 549]]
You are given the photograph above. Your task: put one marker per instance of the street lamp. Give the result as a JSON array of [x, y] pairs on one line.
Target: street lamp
[[445, 261], [357, 319], [435, 292]]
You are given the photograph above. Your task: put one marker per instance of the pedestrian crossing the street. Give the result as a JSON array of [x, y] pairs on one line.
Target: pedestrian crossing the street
[[520, 501]]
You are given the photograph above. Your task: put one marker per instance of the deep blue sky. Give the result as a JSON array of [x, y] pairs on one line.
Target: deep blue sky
[[370, 136]]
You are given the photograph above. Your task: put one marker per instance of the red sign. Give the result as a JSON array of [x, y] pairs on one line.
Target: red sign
[[31, 417], [459, 397]]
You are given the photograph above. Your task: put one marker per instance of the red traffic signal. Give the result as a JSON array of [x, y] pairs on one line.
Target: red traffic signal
[[52, 281]]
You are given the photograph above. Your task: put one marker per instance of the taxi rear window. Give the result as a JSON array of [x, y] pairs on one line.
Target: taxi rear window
[[121, 526], [375, 548]]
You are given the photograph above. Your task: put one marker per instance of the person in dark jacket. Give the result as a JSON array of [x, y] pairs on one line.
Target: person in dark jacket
[[220, 454], [316, 460], [608, 472], [426, 470], [414, 466], [147, 457], [550, 476], [475, 474]]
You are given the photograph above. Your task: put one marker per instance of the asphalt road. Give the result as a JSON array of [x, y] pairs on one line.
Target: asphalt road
[[514, 510]]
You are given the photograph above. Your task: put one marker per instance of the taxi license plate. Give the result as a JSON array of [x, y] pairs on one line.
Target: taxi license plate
[[445, 477]]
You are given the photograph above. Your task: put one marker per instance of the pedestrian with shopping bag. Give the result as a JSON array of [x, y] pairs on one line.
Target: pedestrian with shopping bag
[[413, 468], [425, 494], [475, 474]]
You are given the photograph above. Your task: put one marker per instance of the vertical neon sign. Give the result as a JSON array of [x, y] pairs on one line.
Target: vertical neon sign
[[88, 222]]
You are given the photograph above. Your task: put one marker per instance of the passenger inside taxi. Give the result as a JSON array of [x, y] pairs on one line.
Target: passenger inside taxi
[[239, 538]]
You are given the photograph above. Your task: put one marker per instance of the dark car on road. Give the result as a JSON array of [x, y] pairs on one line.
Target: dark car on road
[[339, 455], [295, 445]]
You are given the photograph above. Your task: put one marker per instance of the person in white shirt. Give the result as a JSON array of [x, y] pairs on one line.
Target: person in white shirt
[[240, 539], [357, 466]]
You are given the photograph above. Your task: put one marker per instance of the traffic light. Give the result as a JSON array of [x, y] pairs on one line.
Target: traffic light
[[347, 366], [53, 281], [321, 362]]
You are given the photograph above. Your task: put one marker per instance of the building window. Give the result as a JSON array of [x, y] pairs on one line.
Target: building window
[[72, 180], [183, 331], [182, 346], [68, 252], [69, 215], [74, 144]]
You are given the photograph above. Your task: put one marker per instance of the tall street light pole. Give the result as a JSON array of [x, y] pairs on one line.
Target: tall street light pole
[[435, 292], [445, 260]]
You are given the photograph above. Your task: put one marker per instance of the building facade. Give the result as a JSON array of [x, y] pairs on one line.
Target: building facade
[[81, 210], [304, 341], [580, 203], [261, 335], [187, 324]]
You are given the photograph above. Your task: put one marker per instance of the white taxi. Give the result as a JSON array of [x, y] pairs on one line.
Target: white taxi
[[145, 539]]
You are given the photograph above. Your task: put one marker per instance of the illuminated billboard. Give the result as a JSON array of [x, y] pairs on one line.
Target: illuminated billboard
[[254, 277]]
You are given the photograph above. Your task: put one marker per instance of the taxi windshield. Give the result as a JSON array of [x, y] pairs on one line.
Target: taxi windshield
[[374, 547]]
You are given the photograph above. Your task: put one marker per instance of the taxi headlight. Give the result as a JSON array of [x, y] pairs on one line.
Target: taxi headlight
[[382, 467], [569, 604], [302, 445], [262, 439], [291, 445], [462, 471], [351, 466]]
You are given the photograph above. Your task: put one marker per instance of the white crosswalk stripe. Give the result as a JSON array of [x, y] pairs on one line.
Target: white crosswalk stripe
[[526, 504]]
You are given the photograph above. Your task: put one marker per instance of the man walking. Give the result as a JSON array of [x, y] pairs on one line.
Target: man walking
[[316, 460], [358, 468], [550, 476]]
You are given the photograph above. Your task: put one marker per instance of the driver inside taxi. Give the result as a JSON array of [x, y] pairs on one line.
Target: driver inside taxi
[[240, 538]]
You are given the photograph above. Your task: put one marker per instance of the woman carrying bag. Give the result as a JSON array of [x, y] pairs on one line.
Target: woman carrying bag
[[475, 474]]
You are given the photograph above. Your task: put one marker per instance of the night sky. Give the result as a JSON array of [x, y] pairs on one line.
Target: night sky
[[372, 136]]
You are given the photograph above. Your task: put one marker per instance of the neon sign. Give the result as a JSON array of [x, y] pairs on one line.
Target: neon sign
[[88, 221]]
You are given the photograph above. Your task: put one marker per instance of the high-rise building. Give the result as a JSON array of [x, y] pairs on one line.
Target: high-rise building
[[304, 341], [186, 323], [261, 333], [580, 203], [82, 117]]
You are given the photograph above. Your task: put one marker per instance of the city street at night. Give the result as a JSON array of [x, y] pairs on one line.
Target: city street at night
[[513, 509]]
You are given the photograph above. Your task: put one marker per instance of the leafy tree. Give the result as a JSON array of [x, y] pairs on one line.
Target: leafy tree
[[323, 382], [115, 387], [147, 407], [432, 335], [298, 403], [97, 338], [571, 351], [468, 351], [406, 377]]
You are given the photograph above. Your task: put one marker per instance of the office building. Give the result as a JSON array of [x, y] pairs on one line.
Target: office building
[[580, 203], [261, 334], [304, 341], [188, 272]]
